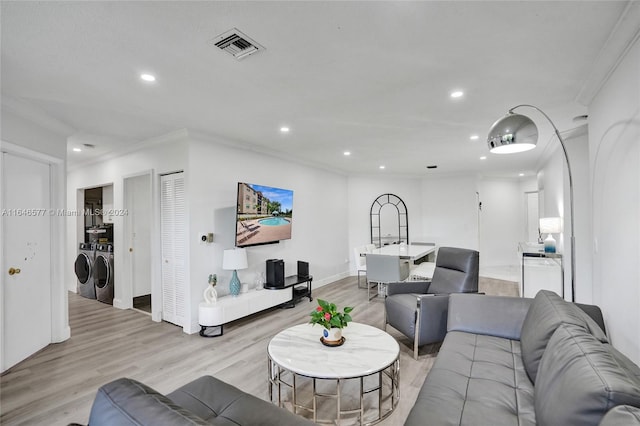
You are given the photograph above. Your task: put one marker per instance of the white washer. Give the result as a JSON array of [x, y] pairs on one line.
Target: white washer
[[84, 270]]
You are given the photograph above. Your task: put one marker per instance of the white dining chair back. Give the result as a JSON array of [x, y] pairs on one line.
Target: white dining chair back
[[383, 269], [360, 262]]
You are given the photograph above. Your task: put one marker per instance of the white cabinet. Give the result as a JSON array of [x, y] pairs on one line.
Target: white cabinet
[[229, 308], [540, 271]]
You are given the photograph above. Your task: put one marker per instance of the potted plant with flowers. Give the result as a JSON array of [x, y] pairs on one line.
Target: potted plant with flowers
[[326, 314]]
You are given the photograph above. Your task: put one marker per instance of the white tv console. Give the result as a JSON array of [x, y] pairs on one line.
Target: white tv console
[[230, 308]]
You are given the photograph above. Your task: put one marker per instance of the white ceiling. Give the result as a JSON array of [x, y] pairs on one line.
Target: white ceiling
[[372, 78]]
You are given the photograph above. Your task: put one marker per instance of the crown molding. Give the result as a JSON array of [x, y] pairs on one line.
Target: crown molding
[[623, 36], [199, 135], [180, 135]]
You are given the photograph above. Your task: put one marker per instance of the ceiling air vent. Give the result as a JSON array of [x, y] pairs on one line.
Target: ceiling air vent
[[236, 44]]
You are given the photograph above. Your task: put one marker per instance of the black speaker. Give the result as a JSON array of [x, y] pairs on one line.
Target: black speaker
[[275, 272], [303, 269]]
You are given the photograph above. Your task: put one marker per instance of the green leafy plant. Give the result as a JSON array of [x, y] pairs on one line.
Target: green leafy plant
[[327, 315]]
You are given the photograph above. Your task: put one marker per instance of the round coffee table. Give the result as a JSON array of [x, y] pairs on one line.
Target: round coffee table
[[305, 375]]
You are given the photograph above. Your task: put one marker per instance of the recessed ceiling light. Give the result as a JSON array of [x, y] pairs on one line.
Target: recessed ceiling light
[[77, 150], [347, 153], [474, 137], [381, 167], [521, 174], [457, 94], [148, 77], [284, 129], [484, 157]]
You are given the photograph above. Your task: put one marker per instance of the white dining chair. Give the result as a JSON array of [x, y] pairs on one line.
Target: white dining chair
[[360, 262], [382, 269]]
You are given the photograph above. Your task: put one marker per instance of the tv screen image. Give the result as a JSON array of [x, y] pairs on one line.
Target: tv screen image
[[264, 214]]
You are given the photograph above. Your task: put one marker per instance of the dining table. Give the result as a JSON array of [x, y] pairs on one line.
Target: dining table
[[412, 252]]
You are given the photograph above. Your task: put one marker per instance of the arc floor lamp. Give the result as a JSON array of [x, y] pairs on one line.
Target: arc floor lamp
[[517, 133]]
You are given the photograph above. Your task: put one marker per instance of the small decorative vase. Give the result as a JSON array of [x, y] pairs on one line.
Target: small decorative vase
[[333, 335], [234, 284], [210, 295], [259, 281]]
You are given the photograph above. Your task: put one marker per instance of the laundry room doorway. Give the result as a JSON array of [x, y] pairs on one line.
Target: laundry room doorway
[[138, 226]]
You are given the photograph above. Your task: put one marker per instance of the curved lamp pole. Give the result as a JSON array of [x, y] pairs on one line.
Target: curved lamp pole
[[517, 133]]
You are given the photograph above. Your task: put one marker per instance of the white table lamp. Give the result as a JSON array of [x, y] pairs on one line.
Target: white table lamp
[[550, 225], [234, 259]]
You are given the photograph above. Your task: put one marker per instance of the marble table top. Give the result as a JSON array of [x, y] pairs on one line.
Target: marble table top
[[366, 350], [411, 251]]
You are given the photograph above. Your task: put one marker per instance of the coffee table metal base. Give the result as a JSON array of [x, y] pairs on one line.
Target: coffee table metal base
[[285, 390]]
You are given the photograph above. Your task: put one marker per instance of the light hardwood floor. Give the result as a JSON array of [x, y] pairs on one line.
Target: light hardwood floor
[[57, 385]]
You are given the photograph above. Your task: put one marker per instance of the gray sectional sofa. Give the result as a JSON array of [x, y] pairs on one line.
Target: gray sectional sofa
[[204, 401], [515, 361]]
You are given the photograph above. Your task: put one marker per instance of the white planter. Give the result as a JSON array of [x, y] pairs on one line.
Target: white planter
[[332, 335]]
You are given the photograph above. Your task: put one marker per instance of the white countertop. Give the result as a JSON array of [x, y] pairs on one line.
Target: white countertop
[[410, 251], [535, 250], [366, 350]]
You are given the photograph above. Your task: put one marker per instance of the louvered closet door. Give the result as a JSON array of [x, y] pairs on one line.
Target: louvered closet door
[[172, 223]]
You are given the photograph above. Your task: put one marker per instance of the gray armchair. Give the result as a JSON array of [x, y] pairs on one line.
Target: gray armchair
[[418, 309], [382, 269]]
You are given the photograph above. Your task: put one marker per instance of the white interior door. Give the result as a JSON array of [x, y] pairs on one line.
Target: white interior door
[[137, 191], [26, 258], [172, 234]]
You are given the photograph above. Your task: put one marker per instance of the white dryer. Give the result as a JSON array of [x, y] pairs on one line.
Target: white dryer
[[84, 270], [103, 273]]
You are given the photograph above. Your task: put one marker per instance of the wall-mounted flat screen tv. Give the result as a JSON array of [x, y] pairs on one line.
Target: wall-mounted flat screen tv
[[264, 214]]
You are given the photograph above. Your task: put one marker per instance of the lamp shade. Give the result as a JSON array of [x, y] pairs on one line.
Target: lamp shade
[[512, 133], [234, 259], [550, 225]]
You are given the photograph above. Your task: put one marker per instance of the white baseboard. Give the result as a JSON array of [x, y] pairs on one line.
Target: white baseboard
[[329, 280], [118, 303], [63, 335]]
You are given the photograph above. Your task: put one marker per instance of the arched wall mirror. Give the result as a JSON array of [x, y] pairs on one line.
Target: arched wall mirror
[[389, 221]]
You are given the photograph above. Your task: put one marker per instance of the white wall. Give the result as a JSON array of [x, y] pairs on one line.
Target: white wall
[[445, 211], [553, 181], [362, 192], [107, 203], [577, 143], [162, 155], [320, 220], [502, 221], [551, 185], [450, 211], [212, 171], [614, 143]]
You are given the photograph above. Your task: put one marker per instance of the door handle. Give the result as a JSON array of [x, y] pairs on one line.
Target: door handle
[[13, 271]]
